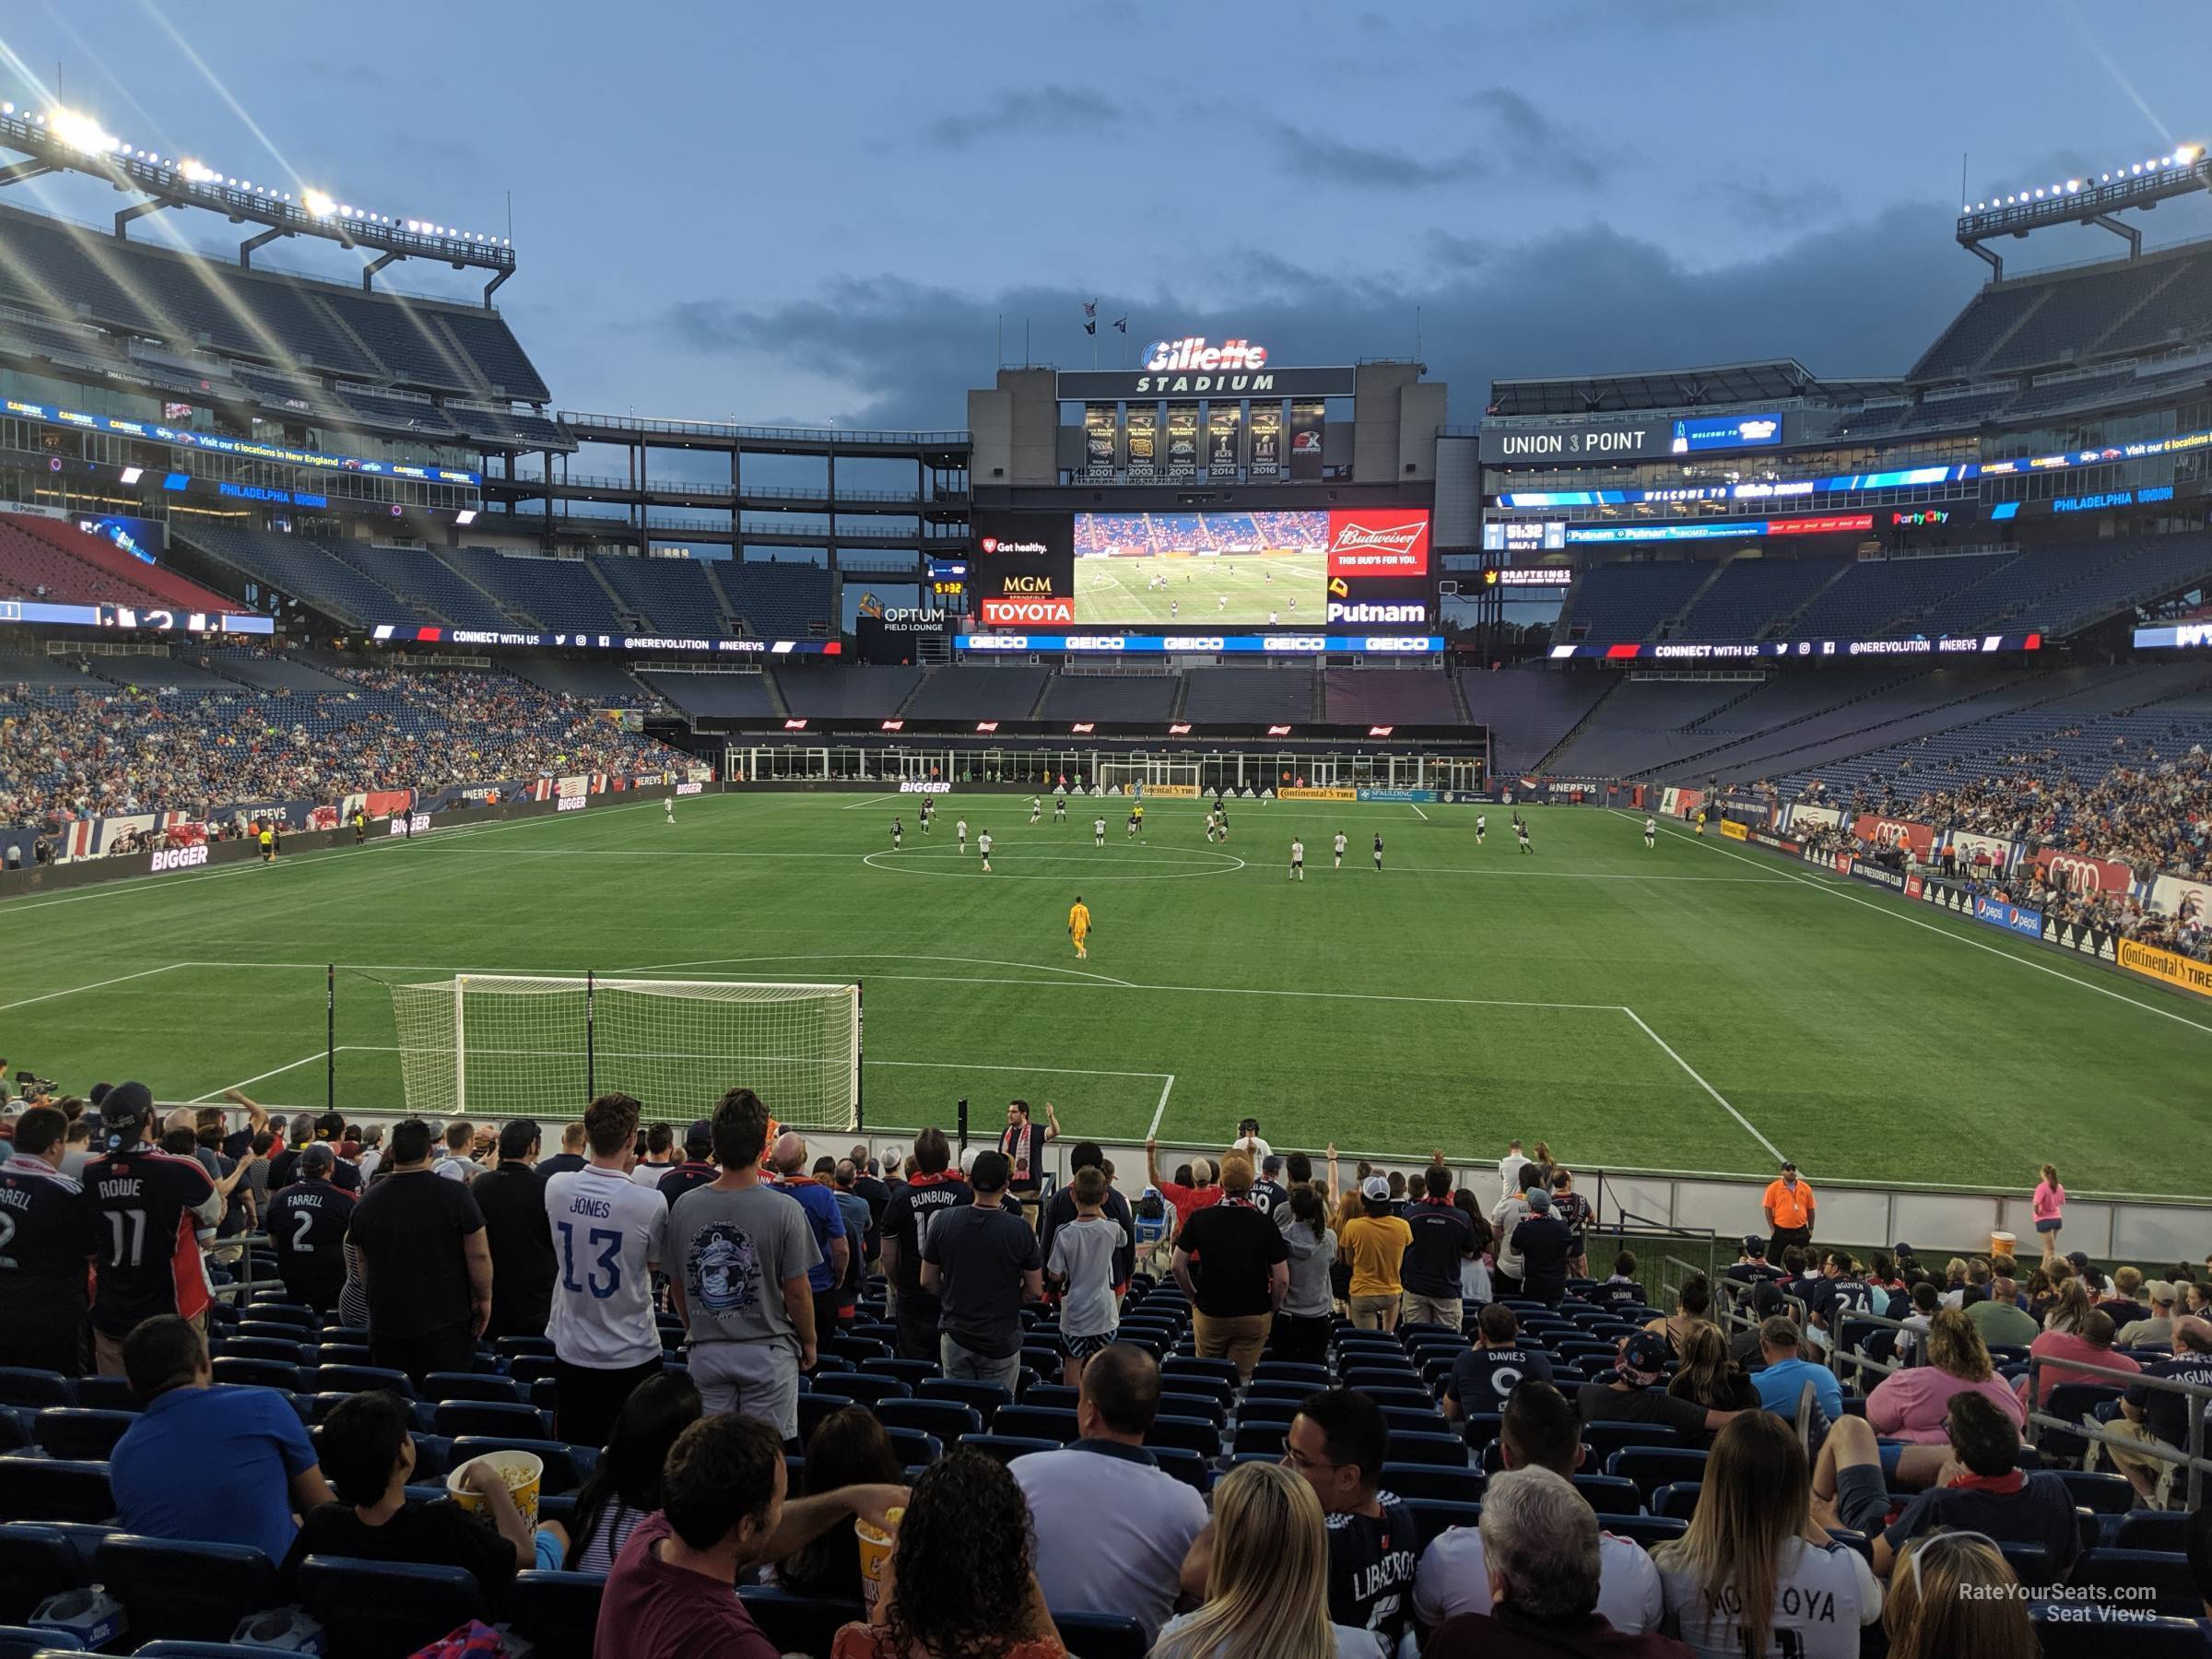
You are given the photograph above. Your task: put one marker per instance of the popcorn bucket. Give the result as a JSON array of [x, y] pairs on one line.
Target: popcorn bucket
[[525, 1473], [874, 1555]]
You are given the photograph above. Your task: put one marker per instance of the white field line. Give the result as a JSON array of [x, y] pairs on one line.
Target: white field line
[[1417, 812], [216, 1094], [1835, 890], [1696, 1077], [95, 985], [1160, 1111]]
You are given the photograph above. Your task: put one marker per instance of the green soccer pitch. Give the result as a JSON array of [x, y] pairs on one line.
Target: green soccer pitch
[[1112, 592], [1695, 1008]]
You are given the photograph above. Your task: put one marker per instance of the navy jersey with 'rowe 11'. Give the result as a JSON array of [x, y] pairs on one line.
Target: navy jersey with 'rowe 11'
[[146, 1209]]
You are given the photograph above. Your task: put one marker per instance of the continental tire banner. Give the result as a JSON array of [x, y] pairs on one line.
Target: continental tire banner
[[1917, 839], [2083, 873], [2185, 973], [1185, 791], [1295, 794], [1731, 831], [1143, 443], [1267, 440]]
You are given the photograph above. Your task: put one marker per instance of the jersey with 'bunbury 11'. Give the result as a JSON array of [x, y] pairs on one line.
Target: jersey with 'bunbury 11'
[[607, 1233]]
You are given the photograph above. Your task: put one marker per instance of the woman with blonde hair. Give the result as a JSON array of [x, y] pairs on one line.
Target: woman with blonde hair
[[1754, 1574], [1907, 1409], [2070, 1306], [1708, 1375], [1267, 1582], [1952, 1596]]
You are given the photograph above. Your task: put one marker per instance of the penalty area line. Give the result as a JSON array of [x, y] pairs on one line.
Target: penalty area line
[[1160, 1111], [1694, 1076]]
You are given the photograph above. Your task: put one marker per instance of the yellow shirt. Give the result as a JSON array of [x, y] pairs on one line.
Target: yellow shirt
[[1078, 918], [1375, 1245]]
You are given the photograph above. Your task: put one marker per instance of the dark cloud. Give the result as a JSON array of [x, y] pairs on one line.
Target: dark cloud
[[1530, 141], [1762, 205], [1861, 297], [1041, 111], [1327, 160]]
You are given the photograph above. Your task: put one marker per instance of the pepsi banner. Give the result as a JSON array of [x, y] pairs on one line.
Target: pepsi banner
[[1267, 440], [1306, 423]]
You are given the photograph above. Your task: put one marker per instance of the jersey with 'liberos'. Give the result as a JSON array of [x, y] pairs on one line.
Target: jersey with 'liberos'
[[146, 1209], [607, 1233]]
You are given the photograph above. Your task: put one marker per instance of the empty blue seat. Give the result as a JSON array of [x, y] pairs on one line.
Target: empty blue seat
[[1278, 1370], [1607, 1494], [1178, 1404], [489, 1417], [909, 1371], [2166, 1531], [1264, 1438], [1434, 1515], [373, 1610], [1651, 1531], [915, 1449], [796, 1624], [948, 1420], [985, 1398], [35, 1488], [1651, 1467], [35, 1562], [816, 1405], [1194, 1469], [866, 1389], [1190, 1434], [557, 1613], [363, 1378], [1677, 1499], [1604, 1438], [1037, 1422], [2165, 1575], [1005, 1448], [73, 1432], [106, 1394], [1219, 1370], [190, 1592], [1434, 1480], [2065, 1634], [1448, 1450], [285, 1351], [23, 1386], [2030, 1564], [2102, 1494], [443, 1386], [1101, 1635], [18, 1642]]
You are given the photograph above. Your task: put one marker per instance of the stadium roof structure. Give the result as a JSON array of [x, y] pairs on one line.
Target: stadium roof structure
[[2085, 200], [1717, 386], [63, 140]]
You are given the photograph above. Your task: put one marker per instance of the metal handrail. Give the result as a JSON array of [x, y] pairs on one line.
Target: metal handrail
[[2192, 1458], [711, 429], [679, 486]]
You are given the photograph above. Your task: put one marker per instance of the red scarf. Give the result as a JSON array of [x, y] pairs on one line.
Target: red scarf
[[2003, 1485]]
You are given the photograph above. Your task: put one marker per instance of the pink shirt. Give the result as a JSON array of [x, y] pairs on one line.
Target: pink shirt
[[1909, 1405], [2048, 1201], [2065, 1345]]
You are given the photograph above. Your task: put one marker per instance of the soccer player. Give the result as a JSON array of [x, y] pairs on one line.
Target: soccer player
[[897, 829], [1138, 817], [668, 810], [1220, 602], [1340, 845], [961, 826], [1378, 849], [1272, 619], [1521, 829], [1078, 927], [1036, 811], [1059, 809], [983, 843], [1174, 607], [1098, 832], [1701, 821], [1482, 827], [925, 810], [1650, 832], [1298, 859], [1132, 821]]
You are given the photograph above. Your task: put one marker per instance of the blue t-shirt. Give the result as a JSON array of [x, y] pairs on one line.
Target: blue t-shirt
[[1779, 1386], [212, 1466], [819, 1202]]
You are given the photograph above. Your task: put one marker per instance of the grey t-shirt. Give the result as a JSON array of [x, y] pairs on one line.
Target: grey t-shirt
[[1083, 1254], [731, 1252], [1310, 1294]]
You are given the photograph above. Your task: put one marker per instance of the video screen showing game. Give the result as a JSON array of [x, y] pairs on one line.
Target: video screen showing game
[[1213, 570]]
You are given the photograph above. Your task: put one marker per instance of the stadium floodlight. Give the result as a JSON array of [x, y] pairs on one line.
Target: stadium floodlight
[[2075, 201], [62, 139]]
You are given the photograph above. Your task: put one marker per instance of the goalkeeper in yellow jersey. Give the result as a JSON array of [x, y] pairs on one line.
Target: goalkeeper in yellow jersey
[[1078, 927]]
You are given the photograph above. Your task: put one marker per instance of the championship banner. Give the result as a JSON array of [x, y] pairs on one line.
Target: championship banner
[[1182, 442], [2185, 973], [1267, 440], [2083, 873], [1224, 425], [1293, 794], [1099, 428], [1143, 443], [1731, 831], [1306, 422], [1916, 838]]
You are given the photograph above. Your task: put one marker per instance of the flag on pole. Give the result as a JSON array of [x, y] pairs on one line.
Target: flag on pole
[[1090, 328], [1090, 309], [1122, 323]]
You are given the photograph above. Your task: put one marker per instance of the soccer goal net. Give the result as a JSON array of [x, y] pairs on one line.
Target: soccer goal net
[[510, 1045], [1166, 777]]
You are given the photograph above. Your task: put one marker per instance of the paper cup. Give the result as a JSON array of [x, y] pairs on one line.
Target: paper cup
[[525, 1473], [874, 1555], [2002, 1243]]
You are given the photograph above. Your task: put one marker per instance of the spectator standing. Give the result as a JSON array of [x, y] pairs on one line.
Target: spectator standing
[[959, 1584], [2049, 1209], [738, 1254], [625, 1483], [838, 1175], [1545, 1246], [1544, 1553], [308, 1222], [660, 1157], [915, 1210], [610, 1234], [1512, 1209], [45, 1258], [1186, 1199], [698, 1167], [982, 1262], [1375, 1243], [570, 1156], [1243, 1271], [454, 1163], [1060, 1209], [1539, 1430], [1264, 1577], [1484, 1378], [1574, 1210], [1510, 1183], [1268, 1193], [1957, 1599], [1080, 1264], [1304, 1319], [1023, 1143], [1443, 1238], [1755, 1574], [1111, 1526], [525, 1265], [424, 1263], [145, 1209], [206, 1464], [1339, 1443], [828, 1275], [1790, 1208]]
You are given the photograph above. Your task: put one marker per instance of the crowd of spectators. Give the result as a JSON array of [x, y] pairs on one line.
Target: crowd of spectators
[[120, 751], [751, 1257]]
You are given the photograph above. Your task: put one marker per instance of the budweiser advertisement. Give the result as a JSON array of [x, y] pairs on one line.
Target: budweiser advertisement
[[1370, 541]]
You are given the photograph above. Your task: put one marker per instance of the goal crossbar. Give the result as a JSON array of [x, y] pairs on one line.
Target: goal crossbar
[[521, 1044]]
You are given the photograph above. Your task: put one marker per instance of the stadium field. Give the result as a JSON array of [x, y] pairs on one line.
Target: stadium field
[[1695, 1008], [1244, 590]]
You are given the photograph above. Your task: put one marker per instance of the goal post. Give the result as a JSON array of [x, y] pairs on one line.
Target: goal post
[[1166, 777], [519, 1045]]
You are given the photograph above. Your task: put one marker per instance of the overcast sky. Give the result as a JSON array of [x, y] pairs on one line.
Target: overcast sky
[[820, 213]]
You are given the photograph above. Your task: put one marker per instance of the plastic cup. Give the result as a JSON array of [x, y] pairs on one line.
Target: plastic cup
[[875, 1544]]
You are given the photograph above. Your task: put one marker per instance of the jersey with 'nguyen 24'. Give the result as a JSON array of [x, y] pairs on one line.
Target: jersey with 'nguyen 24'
[[146, 1239]]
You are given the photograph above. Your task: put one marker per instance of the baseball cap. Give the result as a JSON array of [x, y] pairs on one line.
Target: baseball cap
[[317, 1157], [1901, 1248], [1753, 1244], [126, 1106], [1644, 1358], [1788, 1168], [1766, 1299], [2079, 1258], [1539, 1202], [700, 1138], [2161, 1291], [1375, 1188]]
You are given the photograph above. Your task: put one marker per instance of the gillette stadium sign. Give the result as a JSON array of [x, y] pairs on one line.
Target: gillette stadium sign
[[1192, 364]]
